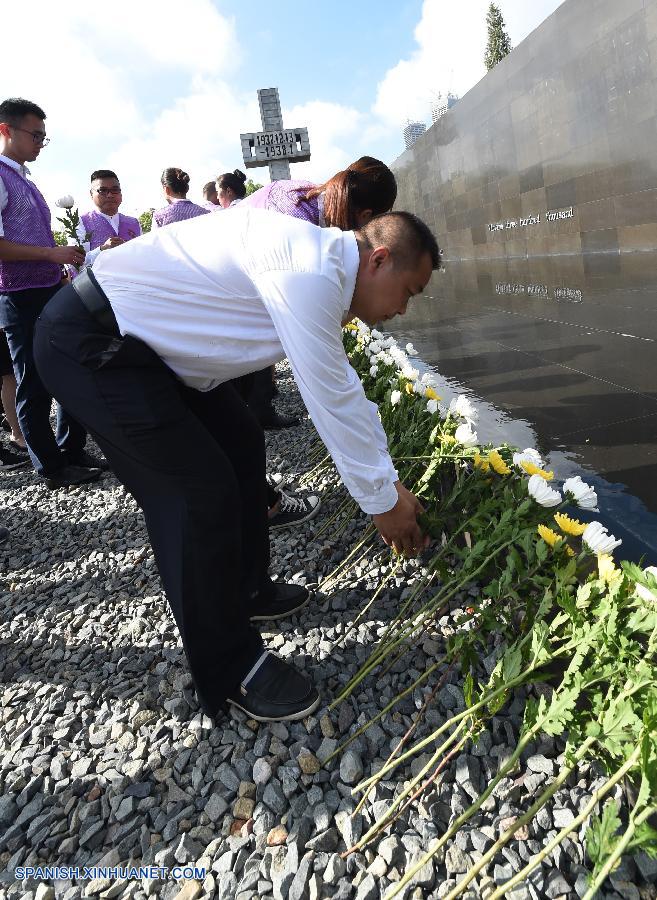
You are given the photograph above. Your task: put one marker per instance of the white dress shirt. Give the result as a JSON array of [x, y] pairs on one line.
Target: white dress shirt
[[4, 196], [217, 297]]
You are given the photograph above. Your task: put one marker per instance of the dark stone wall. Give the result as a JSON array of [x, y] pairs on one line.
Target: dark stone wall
[[566, 124]]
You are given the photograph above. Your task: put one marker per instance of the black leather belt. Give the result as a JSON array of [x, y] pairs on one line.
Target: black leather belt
[[92, 296]]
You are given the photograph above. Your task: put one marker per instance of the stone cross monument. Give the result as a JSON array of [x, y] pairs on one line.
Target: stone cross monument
[[274, 146]]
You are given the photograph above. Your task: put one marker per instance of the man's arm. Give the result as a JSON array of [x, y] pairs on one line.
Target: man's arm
[[307, 311], [10, 251]]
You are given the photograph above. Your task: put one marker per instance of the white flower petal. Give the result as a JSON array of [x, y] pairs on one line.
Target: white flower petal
[[542, 493], [432, 406], [465, 435], [395, 397]]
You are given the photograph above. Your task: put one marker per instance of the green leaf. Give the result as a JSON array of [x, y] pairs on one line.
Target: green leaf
[[619, 724], [560, 711], [511, 663], [601, 836]]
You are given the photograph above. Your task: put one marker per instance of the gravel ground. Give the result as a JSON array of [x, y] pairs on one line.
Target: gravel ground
[[106, 759]]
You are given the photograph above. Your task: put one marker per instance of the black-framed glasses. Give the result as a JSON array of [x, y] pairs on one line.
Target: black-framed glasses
[[38, 137], [105, 192]]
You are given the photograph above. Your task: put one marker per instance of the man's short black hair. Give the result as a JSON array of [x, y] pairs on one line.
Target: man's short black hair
[[14, 110], [210, 189], [405, 235], [103, 173]]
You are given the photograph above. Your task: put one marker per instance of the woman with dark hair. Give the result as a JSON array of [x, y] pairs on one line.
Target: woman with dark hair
[[231, 186], [175, 184], [348, 200]]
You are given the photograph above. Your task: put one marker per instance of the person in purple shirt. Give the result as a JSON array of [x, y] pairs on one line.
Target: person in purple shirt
[[105, 226], [175, 184], [231, 188], [30, 274]]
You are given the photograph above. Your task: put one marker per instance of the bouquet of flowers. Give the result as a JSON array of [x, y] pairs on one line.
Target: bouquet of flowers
[[71, 224]]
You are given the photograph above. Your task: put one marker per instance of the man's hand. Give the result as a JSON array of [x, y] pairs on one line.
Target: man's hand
[[399, 527], [112, 242], [66, 256]]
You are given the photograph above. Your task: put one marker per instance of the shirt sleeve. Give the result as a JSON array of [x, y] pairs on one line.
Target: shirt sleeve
[[307, 313], [154, 224], [4, 197]]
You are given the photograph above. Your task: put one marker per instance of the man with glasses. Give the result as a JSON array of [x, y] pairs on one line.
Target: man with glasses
[[30, 273], [105, 225]]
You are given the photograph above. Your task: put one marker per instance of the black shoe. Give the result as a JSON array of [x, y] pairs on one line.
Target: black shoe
[[4, 534], [294, 510], [68, 476], [10, 460], [87, 461], [16, 447], [272, 420], [274, 691], [286, 599]]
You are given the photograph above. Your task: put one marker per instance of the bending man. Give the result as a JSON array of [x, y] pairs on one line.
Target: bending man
[[141, 351]]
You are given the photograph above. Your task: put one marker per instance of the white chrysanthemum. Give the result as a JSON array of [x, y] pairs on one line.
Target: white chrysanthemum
[[644, 592], [374, 371], [65, 202], [384, 358], [432, 406], [375, 347], [528, 456], [395, 397], [461, 406], [376, 335], [465, 435], [418, 388], [410, 373], [582, 493], [410, 349], [539, 489], [598, 540]]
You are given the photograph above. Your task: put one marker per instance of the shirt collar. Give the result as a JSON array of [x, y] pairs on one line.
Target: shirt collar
[[18, 167]]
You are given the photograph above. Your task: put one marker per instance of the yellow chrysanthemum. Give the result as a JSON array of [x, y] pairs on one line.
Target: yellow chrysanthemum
[[550, 537], [531, 469], [498, 463], [481, 463], [448, 439], [570, 551], [351, 327], [607, 571], [408, 387], [568, 525], [430, 394]]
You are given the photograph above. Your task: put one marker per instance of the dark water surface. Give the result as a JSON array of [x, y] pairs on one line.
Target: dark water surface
[[559, 353]]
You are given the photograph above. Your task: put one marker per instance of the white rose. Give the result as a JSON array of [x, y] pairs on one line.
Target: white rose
[[374, 371], [395, 397], [465, 435], [644, 592], [410, 349], [528, 456], [542, 492], [583, 494], [598, 540], [432, 406], [65, 202]]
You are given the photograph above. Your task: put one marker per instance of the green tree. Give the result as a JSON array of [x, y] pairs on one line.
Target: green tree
[[498, 45], [251, 187], [145, 220]]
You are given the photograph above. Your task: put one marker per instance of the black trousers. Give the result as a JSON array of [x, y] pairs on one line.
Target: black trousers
[[195, 463], [19, 311]]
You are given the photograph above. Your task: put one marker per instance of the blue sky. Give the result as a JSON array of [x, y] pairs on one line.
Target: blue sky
[[145, 84]]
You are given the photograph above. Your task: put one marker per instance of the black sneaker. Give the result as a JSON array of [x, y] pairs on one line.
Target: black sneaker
[[68, 476], [294, 510], [86, 460], [272, 420], [10, 460], [287, 599], [274, 691]]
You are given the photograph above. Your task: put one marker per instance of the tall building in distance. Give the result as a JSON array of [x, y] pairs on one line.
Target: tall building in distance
[[441, 104], [412, 132]]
